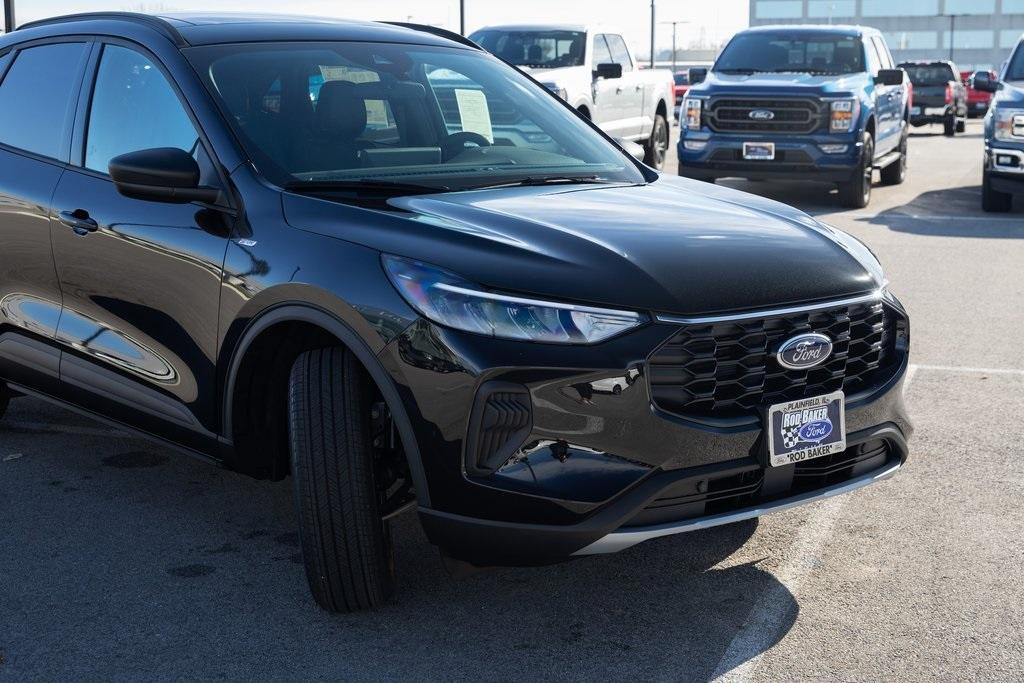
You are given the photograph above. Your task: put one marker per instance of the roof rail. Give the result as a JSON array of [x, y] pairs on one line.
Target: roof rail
[[440, 32], [162, 25]]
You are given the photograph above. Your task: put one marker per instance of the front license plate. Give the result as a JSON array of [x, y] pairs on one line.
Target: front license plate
[[806, 429], [915, 111], [758, 151]]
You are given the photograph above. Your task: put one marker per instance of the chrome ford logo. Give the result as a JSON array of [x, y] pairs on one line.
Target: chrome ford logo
[[804, 351], [762, 115]]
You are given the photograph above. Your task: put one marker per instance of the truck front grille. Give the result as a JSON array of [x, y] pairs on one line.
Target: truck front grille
[[788, 115], [728, 370]]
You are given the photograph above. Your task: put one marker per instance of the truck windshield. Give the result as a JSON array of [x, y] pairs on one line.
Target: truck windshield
[[1015, 69], [929, 74], [795, 52], [395, 116], [535, 49]]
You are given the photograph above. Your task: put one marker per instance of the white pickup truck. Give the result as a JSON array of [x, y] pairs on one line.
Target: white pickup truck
[[592, 69]]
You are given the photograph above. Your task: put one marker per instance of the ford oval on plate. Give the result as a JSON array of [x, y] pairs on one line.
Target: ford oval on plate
[[815, 431], [804, 351], [806, 428]]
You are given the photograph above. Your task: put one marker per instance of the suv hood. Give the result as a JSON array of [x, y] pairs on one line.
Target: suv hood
[[674, 246], [779, 84]]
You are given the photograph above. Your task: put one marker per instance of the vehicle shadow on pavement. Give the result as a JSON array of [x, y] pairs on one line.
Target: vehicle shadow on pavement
[[122, 560], [810, 197], [952, 212]]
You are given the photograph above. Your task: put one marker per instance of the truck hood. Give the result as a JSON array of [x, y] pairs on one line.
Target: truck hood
[[779, 84], [674, 245]]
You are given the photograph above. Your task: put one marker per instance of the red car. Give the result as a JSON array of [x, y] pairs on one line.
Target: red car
[[682, 84], [977, 101]]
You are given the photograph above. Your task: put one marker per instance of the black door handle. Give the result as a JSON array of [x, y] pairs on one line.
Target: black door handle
[[78, 220]]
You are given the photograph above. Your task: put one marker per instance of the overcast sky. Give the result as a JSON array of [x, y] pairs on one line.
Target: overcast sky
[[718, 19]]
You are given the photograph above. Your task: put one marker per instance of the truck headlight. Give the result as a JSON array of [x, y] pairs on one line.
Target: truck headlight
[[449, 300], [1008, 124], [843, 116], [693, 110], [561, 92]]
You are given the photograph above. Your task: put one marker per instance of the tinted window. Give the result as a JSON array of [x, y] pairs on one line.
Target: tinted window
[[874, 60], [536, 49], [930, 74], [620, 54], [133, 108], [37, 97], [794, 52], [883, 53], [1015, 69]]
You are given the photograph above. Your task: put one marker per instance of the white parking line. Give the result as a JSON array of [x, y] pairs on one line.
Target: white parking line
[[960, 368]]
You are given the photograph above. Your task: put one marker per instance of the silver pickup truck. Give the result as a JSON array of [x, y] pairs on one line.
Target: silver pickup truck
[[593, 69]]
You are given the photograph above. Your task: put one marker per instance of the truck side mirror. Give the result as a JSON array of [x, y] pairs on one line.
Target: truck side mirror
[[609, 70], [697, 75], [889, 77], [984, 82], [631, 148]]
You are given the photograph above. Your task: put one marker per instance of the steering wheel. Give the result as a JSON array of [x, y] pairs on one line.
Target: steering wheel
[[455, 143]]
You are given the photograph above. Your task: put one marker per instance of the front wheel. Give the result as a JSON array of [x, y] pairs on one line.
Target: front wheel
[[657, 144], [856, 192], [992, 200], [345, 544]]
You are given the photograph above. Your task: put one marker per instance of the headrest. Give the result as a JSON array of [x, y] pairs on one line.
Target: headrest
[[536, 53], [340, 110]]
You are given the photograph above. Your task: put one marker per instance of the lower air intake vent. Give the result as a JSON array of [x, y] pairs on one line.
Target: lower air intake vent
[[502, 419]]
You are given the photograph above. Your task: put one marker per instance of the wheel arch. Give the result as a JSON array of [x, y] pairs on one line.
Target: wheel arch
[[263, 329]]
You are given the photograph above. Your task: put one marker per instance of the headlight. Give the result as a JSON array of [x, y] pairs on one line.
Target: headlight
[[449, 300], [843, 115], [1008, 124], [693, 109], [561, 92]]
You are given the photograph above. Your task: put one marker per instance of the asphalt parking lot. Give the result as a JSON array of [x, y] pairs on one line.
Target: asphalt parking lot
[[123, 561]]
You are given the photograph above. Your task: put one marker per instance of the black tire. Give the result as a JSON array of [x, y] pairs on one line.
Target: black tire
[[949, 127], [346, 547], [896, 172], [856, 192], [656, 148], [5, 399], [993, 201], [961, 125]]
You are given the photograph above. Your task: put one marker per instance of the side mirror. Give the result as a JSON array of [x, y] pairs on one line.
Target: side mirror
[[164, 174], [631, 148], [985, 83], [608, 71], [889, 77], [697, 75]]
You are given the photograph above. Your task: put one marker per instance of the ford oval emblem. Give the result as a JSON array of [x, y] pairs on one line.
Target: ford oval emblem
[[817, 430], [804, 351], [762, 115]]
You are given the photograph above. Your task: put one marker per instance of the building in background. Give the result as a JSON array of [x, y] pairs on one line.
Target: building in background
[[978, 33]]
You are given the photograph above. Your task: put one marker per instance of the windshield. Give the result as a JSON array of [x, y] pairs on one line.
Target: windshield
[[800, 52], [446, 118], [1015, 69], [929, 74], [536, 49]]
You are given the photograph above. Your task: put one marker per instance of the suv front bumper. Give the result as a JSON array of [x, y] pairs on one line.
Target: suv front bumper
[[1005, 168], [593, 463], [829, 158]]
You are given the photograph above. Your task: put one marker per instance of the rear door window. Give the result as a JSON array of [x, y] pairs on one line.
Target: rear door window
[[37, 98]]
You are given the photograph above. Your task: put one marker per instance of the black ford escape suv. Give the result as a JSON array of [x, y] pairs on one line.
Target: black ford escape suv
[[377, 259]]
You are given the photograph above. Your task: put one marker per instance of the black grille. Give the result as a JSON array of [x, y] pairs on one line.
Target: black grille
[[729, 370], [732, 115]]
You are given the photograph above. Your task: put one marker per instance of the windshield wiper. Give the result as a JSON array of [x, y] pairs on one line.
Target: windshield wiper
[[363, 187], [542, 180]]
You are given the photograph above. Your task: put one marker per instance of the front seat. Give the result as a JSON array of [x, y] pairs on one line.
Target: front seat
[[338, 122]]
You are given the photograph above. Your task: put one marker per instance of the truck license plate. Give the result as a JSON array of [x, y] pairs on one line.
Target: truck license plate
[[759, 151]]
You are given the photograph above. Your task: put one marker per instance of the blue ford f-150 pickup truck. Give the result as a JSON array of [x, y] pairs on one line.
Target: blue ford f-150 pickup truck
[[799, 102], [1004, 134]]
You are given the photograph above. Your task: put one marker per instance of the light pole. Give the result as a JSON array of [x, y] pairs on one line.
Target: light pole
[[674, 24], [8, 16], [462, 17], [952, 32], [652, 33]]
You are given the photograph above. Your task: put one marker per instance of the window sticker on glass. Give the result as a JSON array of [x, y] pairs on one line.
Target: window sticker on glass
[[376, 114], [476, 117]]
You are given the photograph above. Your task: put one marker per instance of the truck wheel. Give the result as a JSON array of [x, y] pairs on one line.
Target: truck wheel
[[896, 172], [949, 127], [961, 125], [992, 200], [345, 544], [856, 192], [657, 144]]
